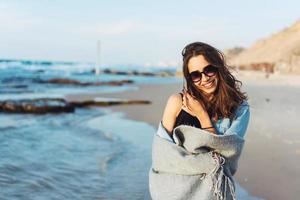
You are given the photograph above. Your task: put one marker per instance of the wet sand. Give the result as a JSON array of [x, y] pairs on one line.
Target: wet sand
[[269, 165]]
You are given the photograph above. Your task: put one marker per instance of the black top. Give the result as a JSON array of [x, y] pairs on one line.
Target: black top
[[186, 119]]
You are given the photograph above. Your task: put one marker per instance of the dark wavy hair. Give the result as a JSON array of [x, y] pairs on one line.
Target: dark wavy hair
[[228, 96]]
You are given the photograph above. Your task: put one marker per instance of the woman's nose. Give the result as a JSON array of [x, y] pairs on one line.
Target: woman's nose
[[204, 77]]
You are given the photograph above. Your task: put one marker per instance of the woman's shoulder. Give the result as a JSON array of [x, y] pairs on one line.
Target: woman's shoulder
[[244, 105], [174, 104], [243, 108], [171, 111], [175, 101]]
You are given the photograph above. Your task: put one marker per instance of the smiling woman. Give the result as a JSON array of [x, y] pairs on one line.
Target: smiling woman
[[213, 104], [212, 98]]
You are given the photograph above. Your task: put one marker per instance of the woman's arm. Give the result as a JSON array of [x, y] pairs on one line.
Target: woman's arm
[[171, 111], [206, 122], [240, 123]]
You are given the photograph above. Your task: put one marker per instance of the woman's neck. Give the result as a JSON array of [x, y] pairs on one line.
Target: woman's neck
[[209, 97]]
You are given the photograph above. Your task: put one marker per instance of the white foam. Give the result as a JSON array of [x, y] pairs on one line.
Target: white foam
[[107, 99], [135, 132]]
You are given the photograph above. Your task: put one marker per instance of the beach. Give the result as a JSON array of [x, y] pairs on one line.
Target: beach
[[269, 164]]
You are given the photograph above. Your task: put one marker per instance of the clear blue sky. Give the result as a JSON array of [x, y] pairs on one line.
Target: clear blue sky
[[134, 31]]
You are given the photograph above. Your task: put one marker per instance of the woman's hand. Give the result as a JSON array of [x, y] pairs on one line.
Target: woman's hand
[[192, 106], [197, 109]]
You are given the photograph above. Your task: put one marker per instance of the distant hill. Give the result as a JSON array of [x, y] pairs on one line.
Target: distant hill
[[279, 52], [233, 52]]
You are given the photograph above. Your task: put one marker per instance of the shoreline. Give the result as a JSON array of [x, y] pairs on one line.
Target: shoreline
[[267, 159]]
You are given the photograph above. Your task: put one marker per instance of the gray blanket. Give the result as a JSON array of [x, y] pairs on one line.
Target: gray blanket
[[199, 165]]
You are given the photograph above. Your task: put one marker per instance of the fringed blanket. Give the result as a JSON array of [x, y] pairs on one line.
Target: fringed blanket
[[199, 165]]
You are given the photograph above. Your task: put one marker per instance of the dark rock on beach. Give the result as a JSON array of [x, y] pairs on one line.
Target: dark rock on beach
[[37, 106], [76, 82], [107, 102], [57, 105], [137, 73]]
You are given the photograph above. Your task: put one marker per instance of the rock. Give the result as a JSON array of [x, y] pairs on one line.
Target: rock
[[107, 102], [76, 82], [137, 73], [116, 83], [58, 105], [62, 81], [36, 106]]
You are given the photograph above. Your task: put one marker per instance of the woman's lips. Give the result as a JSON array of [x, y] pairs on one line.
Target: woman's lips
[[208, 85]]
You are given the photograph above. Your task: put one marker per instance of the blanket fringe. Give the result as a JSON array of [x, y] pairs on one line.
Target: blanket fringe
[[219, 176]]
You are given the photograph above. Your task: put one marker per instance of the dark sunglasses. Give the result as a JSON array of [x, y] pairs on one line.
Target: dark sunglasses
[[209, 71]]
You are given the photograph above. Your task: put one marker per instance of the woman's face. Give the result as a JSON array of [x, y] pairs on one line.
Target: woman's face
[[207, 84]]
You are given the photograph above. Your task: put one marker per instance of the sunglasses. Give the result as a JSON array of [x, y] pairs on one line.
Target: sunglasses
[[209, 71]]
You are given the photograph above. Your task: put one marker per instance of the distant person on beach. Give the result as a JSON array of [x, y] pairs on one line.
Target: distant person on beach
[[211, 98]]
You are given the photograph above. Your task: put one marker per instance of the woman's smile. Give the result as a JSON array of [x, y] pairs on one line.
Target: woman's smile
[[209, 87], [208, 84]]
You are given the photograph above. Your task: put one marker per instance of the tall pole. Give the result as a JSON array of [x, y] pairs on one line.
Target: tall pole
[[98, 62]]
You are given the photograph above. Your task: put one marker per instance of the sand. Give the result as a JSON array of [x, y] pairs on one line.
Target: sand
[[269, 165]]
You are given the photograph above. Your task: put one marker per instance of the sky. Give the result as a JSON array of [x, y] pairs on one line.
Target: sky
[[134, 32]]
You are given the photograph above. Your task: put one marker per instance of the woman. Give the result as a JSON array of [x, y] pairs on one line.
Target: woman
[[212, 100]]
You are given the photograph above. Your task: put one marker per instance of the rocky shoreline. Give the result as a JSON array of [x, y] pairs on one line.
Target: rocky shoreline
[[58, 105]]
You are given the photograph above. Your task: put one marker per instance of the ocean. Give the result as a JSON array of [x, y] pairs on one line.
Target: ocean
[[92, 153]]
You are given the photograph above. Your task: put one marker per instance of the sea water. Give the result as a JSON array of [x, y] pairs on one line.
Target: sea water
[[70, 155]]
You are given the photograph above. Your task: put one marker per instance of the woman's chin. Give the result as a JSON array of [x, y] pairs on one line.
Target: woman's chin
[[209, 91]]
